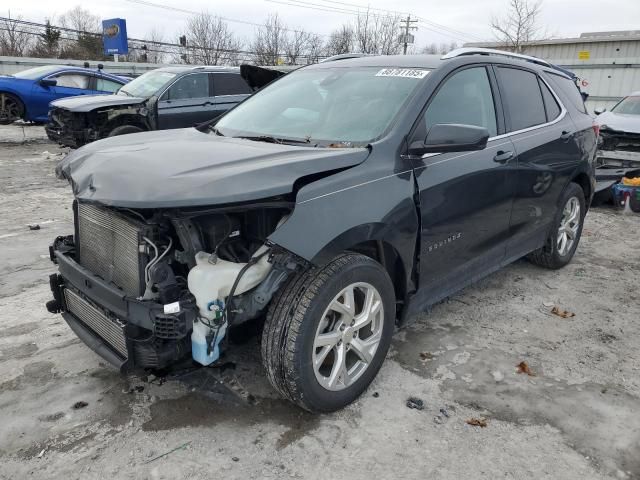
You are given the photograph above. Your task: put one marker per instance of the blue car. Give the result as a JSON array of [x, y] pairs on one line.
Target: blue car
[[26, 95]]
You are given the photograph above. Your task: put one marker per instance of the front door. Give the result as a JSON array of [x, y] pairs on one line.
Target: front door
[[186, 103], [465, 197]]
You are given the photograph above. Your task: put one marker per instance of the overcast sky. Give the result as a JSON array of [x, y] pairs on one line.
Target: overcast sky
[[470, 18]]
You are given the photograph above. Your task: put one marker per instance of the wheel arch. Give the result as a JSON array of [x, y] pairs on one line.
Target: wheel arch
[[584, 181], [16, 94]]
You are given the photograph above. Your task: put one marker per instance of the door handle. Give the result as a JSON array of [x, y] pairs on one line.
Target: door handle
[[502, 156], [566, 135]]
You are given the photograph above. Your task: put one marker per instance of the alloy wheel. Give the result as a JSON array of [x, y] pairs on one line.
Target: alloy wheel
[[9, 108], [569, 225], [348, 336]]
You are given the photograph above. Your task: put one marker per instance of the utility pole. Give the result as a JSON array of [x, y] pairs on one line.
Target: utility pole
[[407, 38]]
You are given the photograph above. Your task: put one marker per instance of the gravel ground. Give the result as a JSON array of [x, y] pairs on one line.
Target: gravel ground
[[65, 414]]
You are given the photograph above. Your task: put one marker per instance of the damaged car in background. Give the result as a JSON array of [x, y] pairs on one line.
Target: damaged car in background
[[330, 207], [166, 98], [619, 143]]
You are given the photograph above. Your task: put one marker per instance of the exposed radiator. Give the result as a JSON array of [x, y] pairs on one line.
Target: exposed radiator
[[109, 247], [110, 330]]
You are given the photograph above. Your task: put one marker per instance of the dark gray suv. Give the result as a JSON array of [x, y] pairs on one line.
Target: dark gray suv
[[331, 206], [170, 97]]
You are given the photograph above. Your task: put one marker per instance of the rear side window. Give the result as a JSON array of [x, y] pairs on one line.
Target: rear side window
[[229, 84], [550, 103], [570, 90], [190, 86], [523, 97], [104, 85], [465, 98]]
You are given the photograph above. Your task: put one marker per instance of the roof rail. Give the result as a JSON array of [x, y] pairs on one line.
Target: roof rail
[[458, 52]]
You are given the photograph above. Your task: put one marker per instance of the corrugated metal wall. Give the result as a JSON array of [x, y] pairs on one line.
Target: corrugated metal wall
[[608, 63], [611, 71]]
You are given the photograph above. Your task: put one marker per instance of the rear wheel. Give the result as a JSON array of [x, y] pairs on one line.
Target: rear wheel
[[328, 331], [566, 231], [124, 130], [11, 108]]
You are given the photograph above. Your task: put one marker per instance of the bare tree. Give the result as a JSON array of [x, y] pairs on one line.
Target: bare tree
[[15, 39], [210, 41], [340, 41], [88, 42], [519, 25], [430, 49], [269, 42], [296, 45], [315, 48], [155, 53], [378, 34]]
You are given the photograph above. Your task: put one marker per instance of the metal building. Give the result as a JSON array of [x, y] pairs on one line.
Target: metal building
[[607, 63]]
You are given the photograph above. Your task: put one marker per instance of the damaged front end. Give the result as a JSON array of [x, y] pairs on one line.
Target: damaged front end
[[618, 151], [72, 124], [147, 288]]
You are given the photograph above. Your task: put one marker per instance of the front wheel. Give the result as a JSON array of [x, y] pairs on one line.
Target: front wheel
[[125, 130], [328, 331], [565, 232]]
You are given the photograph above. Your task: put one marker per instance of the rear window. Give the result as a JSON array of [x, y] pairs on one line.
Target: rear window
[[550, 103], [523, 97], [229, 84], [569, 89]]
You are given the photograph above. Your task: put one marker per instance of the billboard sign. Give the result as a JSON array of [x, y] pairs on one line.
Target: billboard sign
[[114, 36]]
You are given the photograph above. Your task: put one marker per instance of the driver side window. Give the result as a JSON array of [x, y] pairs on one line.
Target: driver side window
[[465, 98]]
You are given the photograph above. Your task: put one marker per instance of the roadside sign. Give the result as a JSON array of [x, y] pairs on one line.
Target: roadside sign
[[584, 55], [114, 36]]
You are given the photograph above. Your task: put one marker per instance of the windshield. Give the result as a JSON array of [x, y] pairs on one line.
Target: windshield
[[37, 72], [147, 84], [318, 105], [628, 106]]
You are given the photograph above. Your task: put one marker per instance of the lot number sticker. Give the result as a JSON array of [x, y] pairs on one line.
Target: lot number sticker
[[402, 72]]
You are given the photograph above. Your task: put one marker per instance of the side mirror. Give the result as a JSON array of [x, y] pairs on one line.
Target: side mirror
[[451, 137], [598, 111], [48, 82]]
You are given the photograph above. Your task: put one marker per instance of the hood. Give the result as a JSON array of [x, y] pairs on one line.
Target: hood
[[187, 168], [86, 103], [619, 121]]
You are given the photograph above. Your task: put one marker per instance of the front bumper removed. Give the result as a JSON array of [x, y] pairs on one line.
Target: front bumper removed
[[126, 332]]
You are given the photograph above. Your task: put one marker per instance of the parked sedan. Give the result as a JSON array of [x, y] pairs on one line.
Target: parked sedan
[[26, 95], [171, 97]]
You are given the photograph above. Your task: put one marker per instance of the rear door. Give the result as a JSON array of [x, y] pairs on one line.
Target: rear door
[[187, 102], [230, 89], [465, 197], [543, 135]]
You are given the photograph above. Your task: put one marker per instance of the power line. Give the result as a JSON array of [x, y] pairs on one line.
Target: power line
[[192, 12]]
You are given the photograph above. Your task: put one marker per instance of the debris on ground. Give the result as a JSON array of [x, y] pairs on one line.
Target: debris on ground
[[562, 313], [414, 402], [444, 412], [426, 356], [42, 452], [34, 226], [79, 405], [497, 375], [180, 447], [439, 419], [375, 395], [477, 422], [523, 367], [235, 459]]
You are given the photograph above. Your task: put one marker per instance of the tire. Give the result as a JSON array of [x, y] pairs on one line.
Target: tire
[[125, 130], [11, 108], [301, 311], [555, 254]]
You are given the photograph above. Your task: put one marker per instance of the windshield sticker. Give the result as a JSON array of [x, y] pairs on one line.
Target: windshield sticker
[[402, 72]]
